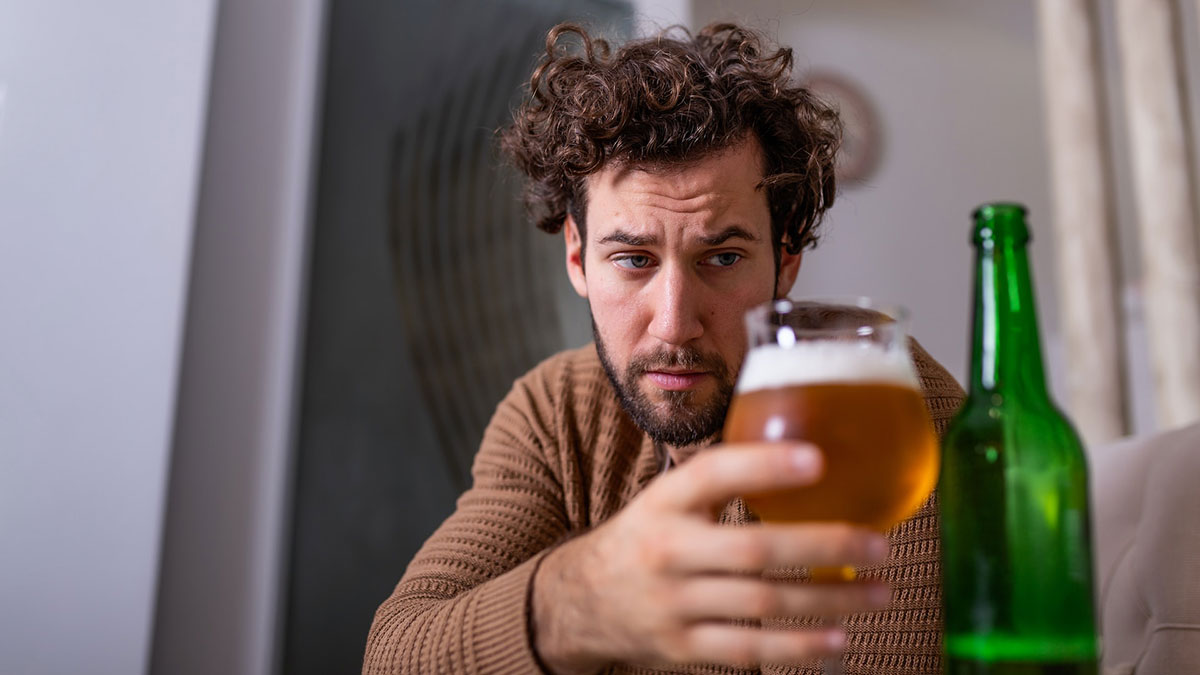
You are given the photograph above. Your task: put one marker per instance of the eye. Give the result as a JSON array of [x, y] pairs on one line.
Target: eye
[[726, 259], [632, 261]]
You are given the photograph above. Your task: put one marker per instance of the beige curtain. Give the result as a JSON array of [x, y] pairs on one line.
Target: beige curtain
[[1080, 172], [1163, 178]]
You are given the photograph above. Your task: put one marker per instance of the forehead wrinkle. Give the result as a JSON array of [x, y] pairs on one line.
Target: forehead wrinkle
[[707, 201], [692, 198], [674, 189]]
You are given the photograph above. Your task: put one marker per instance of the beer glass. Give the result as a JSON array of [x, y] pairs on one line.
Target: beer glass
[[837, 374]]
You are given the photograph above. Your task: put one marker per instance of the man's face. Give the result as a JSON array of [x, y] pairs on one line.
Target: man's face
[[675, 257]]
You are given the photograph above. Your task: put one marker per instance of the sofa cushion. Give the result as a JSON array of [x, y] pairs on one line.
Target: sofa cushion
[[1146, 510]]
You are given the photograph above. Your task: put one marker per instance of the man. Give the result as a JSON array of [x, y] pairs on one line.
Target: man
[[688, 176]]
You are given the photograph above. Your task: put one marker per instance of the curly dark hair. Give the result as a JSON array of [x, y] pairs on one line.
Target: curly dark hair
[[666, 99]]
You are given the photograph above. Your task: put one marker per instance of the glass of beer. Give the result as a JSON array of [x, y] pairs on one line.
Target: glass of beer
[[837, 374]]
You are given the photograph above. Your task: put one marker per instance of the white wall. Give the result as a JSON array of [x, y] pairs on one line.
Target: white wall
[[224, 548], [100, 137], [650, 16]]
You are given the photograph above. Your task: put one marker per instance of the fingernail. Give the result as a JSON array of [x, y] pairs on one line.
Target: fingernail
[[878, 549], [805, 459], [837, 639]]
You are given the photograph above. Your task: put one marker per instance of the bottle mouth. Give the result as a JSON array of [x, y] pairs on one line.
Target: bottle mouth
[[999, 210], [1000, 221]]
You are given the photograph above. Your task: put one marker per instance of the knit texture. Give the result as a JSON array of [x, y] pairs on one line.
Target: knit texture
[[559, 457]]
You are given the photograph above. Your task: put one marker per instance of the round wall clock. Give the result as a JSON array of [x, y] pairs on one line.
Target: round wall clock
[[862, 137]]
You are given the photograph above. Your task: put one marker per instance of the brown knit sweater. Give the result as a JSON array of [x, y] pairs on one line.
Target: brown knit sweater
[[559, 457]]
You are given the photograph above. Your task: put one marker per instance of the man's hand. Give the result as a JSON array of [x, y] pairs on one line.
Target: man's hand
[[660, 581]]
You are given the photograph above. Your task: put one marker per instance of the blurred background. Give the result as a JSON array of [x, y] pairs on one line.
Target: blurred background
[[263, 279]]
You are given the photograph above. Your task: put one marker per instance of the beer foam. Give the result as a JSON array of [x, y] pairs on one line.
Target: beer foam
[[818, 361]]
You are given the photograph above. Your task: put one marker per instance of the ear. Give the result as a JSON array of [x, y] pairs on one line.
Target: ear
[[575, 257], [789, 267]]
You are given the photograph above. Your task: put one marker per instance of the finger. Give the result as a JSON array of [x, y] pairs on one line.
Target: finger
[[718, 474], [761, 547], [746, 598], [746, 646]]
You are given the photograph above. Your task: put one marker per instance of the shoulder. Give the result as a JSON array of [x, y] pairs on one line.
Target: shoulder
[[553, 394], [943, 394], [568, 374], [564, 421]]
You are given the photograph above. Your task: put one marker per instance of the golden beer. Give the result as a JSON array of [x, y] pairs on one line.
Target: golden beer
[[862, 408]]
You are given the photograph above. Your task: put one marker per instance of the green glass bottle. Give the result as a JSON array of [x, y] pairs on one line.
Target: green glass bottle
[[1013, 492]]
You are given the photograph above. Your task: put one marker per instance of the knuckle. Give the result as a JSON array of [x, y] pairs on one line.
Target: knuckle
[[754, 553], [851, 544], [865, 548], [667, 599], [841, 601], [655, 554], [766, 602], [675, 645], [795, 600]]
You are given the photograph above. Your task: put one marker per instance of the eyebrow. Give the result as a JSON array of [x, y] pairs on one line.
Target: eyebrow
[[629, 239], [623, 237], [727, 234]]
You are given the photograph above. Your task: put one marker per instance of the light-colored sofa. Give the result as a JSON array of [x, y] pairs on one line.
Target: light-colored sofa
[[1146, 511]]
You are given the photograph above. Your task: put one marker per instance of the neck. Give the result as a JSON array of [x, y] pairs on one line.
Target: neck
[[678, 454], [1006, 354]]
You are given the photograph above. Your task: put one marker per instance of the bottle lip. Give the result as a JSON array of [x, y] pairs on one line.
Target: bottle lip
[[999, 209], [1000, 220]]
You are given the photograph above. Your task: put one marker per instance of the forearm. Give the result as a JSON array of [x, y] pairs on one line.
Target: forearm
[[565, 634], [464, 603], [482, 630]]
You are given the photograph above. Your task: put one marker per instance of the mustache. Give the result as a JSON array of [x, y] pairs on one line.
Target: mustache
[[685, 357]]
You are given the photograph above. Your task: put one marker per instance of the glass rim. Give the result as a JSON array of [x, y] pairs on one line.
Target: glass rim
[[898, 313]]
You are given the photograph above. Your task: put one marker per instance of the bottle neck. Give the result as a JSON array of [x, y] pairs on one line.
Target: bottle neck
[[1006, 355]]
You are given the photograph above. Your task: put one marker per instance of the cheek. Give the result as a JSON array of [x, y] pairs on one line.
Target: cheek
[[728, 323], [727, 319], [619, 317]]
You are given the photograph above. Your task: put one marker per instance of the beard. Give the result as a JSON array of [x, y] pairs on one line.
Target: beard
[[681, 418]]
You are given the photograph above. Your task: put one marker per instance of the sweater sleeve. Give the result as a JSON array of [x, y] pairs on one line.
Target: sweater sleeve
[[463, 605]]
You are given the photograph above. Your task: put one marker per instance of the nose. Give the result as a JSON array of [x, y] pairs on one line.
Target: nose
[[677, 304]]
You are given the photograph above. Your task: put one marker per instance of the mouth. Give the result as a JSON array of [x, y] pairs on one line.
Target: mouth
[[671, 380]]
